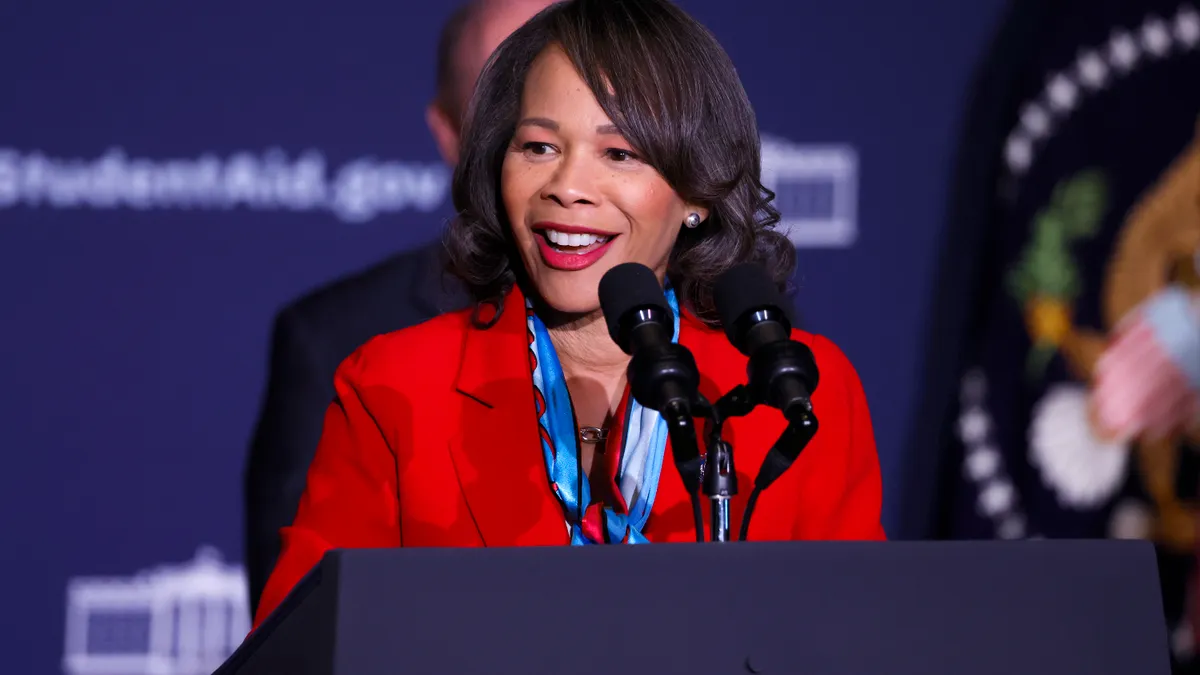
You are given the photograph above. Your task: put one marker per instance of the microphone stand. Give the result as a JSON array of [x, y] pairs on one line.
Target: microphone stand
[[681, 427], [719, 476], [782, 374], [714, 473], [802, 426], [663, 376]]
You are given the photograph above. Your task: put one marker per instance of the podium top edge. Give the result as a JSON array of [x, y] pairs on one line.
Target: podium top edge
[[926, 547]]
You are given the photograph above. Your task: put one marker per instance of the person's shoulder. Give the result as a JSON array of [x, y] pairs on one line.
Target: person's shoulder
[[376, 287], [421, 353], [832, 363]]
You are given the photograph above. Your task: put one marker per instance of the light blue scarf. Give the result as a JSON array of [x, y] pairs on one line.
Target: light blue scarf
[[642, 444]]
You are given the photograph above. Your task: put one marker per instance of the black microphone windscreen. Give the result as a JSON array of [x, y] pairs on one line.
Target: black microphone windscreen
[[743, 288], [627, 287]]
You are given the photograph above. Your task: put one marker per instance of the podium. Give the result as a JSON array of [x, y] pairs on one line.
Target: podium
[[796, 608]]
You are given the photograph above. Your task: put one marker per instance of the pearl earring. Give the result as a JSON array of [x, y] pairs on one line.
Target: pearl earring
[[693, 220]]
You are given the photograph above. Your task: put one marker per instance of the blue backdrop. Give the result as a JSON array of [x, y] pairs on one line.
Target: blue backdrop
[[171, 175]]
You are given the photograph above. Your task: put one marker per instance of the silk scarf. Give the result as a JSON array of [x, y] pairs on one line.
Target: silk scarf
[[640, 436]]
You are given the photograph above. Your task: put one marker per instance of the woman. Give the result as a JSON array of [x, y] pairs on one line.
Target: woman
[[601, 132]]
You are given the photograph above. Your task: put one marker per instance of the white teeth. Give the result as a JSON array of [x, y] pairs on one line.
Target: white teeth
[[573, 240]]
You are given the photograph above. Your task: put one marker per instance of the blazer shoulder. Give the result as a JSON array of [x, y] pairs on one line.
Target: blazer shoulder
[[419, 354], [833, 366]]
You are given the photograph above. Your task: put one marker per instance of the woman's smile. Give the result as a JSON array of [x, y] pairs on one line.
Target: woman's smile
[[571, 247]]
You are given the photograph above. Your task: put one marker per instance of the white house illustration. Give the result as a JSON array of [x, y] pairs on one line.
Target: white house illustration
[[816, 191], [171, 620]]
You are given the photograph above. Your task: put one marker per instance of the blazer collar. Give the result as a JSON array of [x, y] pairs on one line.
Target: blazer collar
[[496, 354], [489, 355], [497, 447]]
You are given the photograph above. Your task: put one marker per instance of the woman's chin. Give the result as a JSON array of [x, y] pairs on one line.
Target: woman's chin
[[569, 302]]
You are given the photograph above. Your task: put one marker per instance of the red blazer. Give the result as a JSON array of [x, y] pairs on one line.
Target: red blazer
[[432, 440]]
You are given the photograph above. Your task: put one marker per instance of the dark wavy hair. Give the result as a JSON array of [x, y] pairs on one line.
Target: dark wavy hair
[[678, 101]]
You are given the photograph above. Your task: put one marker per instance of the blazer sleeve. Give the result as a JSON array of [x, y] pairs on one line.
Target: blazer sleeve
[[350, 499], [299, 388], [854, 501]]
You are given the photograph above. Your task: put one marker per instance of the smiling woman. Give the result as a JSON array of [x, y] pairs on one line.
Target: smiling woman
[[601, 132]]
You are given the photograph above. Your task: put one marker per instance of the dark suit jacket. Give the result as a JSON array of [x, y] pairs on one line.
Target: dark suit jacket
[[432, 441], [311, 337]]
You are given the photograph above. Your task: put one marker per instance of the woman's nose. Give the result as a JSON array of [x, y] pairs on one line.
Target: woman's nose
[[572, 183]]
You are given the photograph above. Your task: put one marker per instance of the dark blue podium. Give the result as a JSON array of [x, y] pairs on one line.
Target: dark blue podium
[[848, 608]]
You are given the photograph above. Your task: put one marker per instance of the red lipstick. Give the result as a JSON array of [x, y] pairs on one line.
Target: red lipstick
[[570, 259], [569, 229]]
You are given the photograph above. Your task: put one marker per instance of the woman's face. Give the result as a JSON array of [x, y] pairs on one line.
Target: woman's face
[[579, 198]]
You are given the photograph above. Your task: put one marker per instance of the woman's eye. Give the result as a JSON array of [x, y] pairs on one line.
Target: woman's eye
[[536, 148], [620, 155]]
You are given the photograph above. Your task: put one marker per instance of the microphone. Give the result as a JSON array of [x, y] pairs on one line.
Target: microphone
[[781, 371], [662, 374]]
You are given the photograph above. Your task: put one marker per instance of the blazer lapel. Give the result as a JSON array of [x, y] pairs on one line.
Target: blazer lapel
[[497, 450]]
